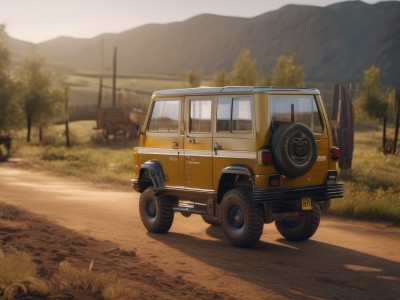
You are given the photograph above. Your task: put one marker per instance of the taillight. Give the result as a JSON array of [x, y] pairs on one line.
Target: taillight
[[335, 153], [266, 157]]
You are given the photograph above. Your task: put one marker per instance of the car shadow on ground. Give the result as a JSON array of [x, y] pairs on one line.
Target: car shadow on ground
[[300, 270]]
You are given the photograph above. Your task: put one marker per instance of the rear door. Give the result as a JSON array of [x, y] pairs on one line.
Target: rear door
[[303, 109]]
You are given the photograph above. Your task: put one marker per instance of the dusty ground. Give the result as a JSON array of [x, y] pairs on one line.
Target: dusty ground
[[344, 260], [48, 244]]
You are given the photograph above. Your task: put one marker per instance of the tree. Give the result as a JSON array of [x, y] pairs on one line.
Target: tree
[[4, 52], [42, 101], [286, 73], [194, 78], [244, 70], [372, 100], [220, 78], [10, 112]]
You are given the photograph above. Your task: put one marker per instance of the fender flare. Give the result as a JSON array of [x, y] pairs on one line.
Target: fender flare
[[155, 173], [234, 170]]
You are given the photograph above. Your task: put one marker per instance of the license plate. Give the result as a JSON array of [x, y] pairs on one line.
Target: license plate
[[306, 203]]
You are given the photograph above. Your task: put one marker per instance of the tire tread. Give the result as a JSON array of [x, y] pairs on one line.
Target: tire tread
[[165, 214], [254, 223]]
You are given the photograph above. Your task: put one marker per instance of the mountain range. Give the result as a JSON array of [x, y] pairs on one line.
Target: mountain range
[[335, 43]]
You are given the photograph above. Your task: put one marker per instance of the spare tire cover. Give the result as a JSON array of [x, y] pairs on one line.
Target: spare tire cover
[[294, 149]]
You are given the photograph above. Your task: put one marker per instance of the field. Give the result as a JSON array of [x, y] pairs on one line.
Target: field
[[84, 84], [372, 190], [133, 90], [372, 187]]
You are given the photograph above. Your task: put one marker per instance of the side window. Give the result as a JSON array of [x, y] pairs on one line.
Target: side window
[[224, 111], [234, 115], [200, 116], [241, 115], [165, 116]]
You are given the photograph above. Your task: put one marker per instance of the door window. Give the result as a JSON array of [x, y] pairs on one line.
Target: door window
[[165, 116], [200, 116]]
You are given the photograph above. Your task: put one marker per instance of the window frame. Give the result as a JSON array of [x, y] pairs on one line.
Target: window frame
[[231, 132], [311, 113], [176, 131], [210, 116]]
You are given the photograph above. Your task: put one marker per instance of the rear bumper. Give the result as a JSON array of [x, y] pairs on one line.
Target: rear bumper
[[317, 193]]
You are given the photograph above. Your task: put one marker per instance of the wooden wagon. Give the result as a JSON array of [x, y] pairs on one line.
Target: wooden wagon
[[117, 122]]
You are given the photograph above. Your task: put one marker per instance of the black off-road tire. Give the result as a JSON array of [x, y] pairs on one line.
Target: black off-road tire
[[241, 219], [301, 229], [294, 149], [212, 220], [156, 212]]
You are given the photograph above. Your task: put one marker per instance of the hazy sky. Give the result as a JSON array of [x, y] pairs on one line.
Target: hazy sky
[[40, 20]]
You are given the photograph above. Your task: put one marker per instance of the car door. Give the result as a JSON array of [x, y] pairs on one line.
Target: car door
[[198, 143], [163, 141], [233, 140]]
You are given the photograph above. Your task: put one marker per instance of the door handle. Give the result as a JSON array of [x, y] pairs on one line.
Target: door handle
[[175, 145], [217, 147]]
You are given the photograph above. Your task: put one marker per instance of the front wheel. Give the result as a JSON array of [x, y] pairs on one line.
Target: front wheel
[[302, 228], [156, 212], [241, 219]]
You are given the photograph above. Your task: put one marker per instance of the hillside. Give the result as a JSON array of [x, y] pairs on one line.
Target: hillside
[[334, 43]]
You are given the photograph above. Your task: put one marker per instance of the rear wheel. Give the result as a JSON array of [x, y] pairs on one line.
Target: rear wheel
[[156, 212], [241, 219], [301, 228]]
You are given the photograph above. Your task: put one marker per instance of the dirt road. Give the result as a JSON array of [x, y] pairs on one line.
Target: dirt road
[[344, 259]]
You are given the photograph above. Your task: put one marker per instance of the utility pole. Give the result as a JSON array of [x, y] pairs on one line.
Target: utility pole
[[396, 134], [114, 87]]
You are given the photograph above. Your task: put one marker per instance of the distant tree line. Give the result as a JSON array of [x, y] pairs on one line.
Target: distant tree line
[[30, 93], [244, 72], [371, 104]]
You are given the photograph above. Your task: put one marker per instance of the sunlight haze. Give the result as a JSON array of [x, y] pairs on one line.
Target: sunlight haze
[[38, 21]]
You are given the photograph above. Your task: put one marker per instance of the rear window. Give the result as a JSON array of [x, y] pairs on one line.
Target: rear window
[[296, 109]]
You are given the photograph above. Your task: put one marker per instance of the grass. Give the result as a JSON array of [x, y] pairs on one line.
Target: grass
[[98, 283], [91, 158], [372, 188], [18, 276]]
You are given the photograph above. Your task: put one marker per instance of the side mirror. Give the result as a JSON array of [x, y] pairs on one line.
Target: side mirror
[[138, 130]]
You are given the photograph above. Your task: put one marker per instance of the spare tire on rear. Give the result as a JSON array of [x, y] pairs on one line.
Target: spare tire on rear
[[294, 149]]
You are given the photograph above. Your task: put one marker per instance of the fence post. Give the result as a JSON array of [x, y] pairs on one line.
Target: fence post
[[342, 120], [68, 144], [396, 134], [384, 135]]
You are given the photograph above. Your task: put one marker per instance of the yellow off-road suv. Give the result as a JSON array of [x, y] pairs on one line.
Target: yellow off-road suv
[[238, 156]]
